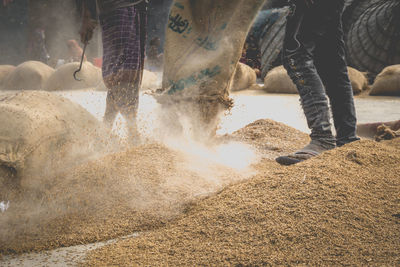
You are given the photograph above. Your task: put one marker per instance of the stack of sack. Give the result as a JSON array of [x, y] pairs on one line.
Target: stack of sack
[[63, 78], [30, 75], [278, 81]]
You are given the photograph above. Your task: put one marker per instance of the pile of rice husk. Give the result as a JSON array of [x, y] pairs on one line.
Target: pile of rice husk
[[137, 190], [270, 138], [93, 202], [340, 208]]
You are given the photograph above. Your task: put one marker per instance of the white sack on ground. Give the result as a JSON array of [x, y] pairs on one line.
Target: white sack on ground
[[204, 41], [358, 80], [41, 133], [387, 82], [30, 75], [5, 70], [278, 81], [244, 78], [63, 79]]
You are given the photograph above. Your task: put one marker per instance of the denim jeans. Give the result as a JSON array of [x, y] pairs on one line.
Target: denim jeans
[[314, 57]]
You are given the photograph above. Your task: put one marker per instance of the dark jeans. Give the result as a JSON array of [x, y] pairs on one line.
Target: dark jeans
[[314, 57]]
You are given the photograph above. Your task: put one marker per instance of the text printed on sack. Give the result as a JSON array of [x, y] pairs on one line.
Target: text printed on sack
[[193, 79]]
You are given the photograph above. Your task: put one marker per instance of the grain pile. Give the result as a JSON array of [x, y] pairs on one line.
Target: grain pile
[[97, 201], [117, 195], [137, 190], [271, 138], [340, 208]]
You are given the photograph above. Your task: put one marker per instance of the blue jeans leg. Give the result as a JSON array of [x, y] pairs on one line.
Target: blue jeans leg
[[314, 57]]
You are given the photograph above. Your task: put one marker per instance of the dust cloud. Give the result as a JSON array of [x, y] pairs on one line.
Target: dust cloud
[[134, 188]]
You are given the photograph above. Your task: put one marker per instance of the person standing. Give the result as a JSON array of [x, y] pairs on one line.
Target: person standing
[[37, 47], [314, 57], [123, 27]]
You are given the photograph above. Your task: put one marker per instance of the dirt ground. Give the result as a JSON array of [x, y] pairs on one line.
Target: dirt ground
[[340, 208]]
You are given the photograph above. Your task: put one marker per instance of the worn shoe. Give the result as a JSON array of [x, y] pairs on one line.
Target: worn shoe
[[313, 149]]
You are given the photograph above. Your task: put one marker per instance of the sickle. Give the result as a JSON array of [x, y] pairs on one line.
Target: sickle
[[80, 66]]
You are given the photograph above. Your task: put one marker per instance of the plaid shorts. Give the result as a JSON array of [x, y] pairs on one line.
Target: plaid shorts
[[124, 38]]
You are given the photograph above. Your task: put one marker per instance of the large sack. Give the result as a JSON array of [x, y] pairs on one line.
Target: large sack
[[278, 81], [63, 77], [30, 75], [244, 77], [203, 45], [358, 80], [387, 82], [41, 133], [5, 70], [372, 40]]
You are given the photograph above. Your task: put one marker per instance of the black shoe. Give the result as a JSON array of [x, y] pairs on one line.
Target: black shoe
[[313, 149]]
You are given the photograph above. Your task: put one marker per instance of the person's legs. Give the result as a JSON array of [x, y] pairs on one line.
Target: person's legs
[[122, 96], [128, 100], [298, 60], [111, 110], [124, 35], [130, 107], [332, 67]]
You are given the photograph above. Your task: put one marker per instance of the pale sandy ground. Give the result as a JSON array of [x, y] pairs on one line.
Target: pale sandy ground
[[249, 106]]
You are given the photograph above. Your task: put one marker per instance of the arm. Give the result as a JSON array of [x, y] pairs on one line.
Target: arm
[[89, 20]]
